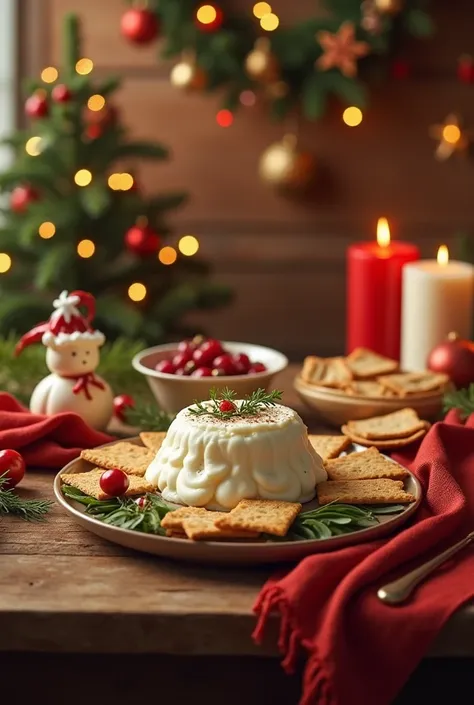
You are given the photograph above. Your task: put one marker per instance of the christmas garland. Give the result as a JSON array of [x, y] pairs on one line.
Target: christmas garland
[[297, 67]]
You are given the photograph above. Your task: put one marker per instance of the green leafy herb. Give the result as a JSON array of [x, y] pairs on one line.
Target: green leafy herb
[[28, 509], [253, 404], [460, 399], [124, 513]]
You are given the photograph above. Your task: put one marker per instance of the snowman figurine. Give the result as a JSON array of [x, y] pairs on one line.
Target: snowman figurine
[[72, 356]]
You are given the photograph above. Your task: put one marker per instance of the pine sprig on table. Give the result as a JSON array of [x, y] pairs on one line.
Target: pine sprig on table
[[28, 509], [462, 400], [147, 417], [253, 404]]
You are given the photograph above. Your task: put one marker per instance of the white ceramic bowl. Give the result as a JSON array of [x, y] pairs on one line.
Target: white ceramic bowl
[[173, 392]]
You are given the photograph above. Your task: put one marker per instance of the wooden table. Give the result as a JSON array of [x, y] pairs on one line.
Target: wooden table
[[65, 591]]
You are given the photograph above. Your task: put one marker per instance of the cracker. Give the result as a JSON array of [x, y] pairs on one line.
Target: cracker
[[398, 424], [364, 363], [88, 482], [367, 388], [366, 465], [407, 383], [326, 371], [382, 491], [267, 515], [387, 443], [175, 534], [128, 457], [152, 440], [329, 446], [200, 527], [174, 520]]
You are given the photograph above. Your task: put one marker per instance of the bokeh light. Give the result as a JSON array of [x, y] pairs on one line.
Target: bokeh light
[[96, 102], [269, 22], [352, 116], [49, 74], [260, 9], [83, 177], [206, 14], [167, 255], [188, 245], [248, 98], [46, 230], [137, 291], [5, 262], [33, 146], [451, 134], [224, 118], [85, 248], [84, 66]]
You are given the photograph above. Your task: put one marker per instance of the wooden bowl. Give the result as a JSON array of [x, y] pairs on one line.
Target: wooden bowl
[[336, 408]]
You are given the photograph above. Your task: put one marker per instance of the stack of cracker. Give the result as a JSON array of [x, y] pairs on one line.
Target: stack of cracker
[[367, 374], [132, 459], [395, 430], [364, 478], [247, 520]]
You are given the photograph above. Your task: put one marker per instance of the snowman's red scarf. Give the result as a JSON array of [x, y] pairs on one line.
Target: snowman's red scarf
[[83, 382]]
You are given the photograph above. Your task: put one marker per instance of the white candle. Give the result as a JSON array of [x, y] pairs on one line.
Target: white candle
[[437, 299]]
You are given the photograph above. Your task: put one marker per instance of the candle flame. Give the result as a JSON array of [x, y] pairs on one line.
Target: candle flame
[[383, 233], [443, 255]]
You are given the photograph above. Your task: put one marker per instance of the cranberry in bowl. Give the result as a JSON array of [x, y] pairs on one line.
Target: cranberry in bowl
[[180, 373]]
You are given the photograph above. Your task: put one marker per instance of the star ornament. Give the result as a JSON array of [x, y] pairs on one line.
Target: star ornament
[[341, 50], [451, 138]]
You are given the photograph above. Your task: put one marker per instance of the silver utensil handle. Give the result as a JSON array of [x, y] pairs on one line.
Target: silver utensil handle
[[399, 590]]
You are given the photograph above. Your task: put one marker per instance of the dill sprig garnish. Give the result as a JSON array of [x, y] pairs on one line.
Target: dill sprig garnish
[[13, 503], [250, 406]]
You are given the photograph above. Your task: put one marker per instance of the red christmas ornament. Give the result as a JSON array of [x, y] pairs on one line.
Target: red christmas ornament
[[142, 240], [139, 26], [104, 117], [21, 197], [92, 132], [465, 70], [61, 93], [209, 17], [12, 468], [36, 106], [122, 402], [455, 358], [400, 69]]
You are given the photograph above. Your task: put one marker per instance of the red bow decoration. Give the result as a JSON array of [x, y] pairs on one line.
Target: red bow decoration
[[83, 382]]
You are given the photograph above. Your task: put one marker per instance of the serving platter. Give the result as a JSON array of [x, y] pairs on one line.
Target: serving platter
[[230, 552]]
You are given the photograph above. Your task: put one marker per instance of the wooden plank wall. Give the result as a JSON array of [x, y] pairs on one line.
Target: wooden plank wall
[[285, 259]]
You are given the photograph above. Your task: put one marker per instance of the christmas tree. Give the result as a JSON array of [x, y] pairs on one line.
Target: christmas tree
[[74, 216]]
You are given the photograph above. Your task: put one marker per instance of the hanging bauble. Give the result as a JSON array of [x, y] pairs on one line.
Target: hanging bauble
[[388, 7], [188, 76], [209, 18], [142, 240], [61, 93], [455, 358], [105, 116], [36, 106], [93, 132], [261, 64], [139, 25], [21, 197], [284, 165]]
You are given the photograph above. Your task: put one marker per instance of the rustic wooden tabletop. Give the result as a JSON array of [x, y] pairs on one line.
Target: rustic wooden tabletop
[[64, 590]]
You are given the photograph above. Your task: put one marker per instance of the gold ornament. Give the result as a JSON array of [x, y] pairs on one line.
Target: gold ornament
[[261, 64], [451, 138], [388, 7], [188, 76], [284, 165]]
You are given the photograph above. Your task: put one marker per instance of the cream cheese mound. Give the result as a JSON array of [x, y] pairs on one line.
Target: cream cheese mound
[[212, 462]]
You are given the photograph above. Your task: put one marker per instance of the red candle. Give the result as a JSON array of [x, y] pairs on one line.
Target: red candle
[[374, 292]]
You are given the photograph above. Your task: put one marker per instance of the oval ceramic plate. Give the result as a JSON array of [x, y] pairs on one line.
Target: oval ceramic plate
[[230, 552]]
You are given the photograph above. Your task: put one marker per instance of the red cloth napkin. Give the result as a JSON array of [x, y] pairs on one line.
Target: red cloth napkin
[[45, 441], [359, 650]]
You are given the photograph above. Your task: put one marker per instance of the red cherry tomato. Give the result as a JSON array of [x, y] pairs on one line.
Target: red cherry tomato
[[122, 402], [225, 363], [165, 366], [257, 367], [114, 482], [12, 467], [242, 363], [181, 358], [202, 372]]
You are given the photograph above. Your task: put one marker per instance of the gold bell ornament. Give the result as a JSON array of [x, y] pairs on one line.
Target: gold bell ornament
[[261, 64], [284, 165], [187, 75]]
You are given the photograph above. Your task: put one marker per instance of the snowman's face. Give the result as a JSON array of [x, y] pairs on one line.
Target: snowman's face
[[73, 359]]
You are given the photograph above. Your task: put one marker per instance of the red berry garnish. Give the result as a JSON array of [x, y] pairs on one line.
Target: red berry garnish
[[12, 468], [257, 367], [187, 346], [165, 366], [122, 402], [190, 367], [225, 363], [241, 363], [114, 482], [181, 358], [141, 502], [202, 372], [198, 340], [181, 372], [207, 352], [226, 406]]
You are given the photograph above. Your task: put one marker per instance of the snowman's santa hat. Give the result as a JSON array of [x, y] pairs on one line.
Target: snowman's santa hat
[[66, 325]]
